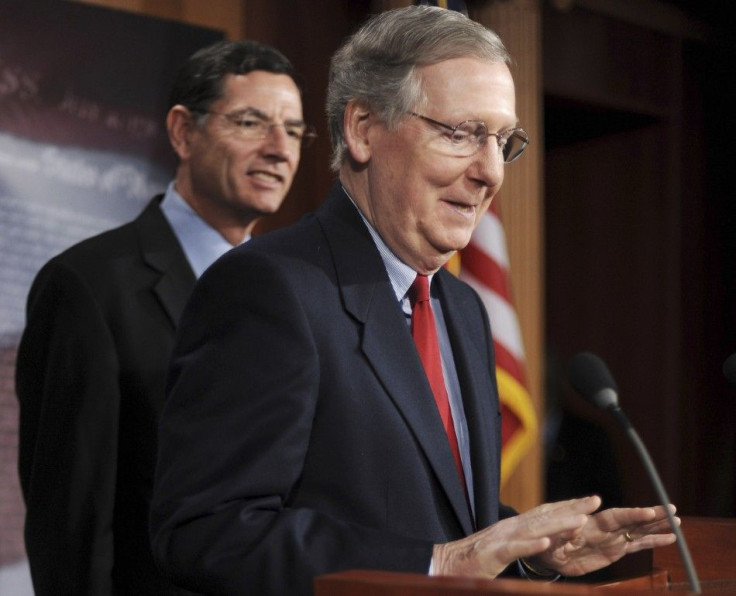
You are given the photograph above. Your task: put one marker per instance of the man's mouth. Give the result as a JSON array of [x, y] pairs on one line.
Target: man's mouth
[[462, 208], [266, 176]]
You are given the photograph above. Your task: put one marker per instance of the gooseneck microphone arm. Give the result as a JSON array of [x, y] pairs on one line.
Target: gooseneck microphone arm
[[661, 495], [590, 376]]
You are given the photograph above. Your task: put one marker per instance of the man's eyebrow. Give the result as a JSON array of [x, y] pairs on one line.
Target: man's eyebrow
[[251, 111]]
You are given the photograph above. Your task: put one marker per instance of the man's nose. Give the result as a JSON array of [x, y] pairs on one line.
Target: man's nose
[[278, 141], [489, 163]]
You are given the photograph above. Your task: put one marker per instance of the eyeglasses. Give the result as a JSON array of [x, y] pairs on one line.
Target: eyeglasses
[[253, 126], [469, 136]]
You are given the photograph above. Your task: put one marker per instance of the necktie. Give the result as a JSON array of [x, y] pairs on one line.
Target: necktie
[[424, 332]]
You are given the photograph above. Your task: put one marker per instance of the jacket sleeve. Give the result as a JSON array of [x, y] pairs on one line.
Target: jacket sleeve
[[66, 382]]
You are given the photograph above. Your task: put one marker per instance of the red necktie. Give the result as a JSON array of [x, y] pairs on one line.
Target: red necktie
[[424, 332]]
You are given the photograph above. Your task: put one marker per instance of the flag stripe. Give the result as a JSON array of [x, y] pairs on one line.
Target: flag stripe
[[512, 366], [490, 237], [503, 317], [486, 271], [518, 413], [484, 264]]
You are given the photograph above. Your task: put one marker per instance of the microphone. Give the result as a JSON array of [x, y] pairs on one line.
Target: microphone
[[590, 377], [729, 370]]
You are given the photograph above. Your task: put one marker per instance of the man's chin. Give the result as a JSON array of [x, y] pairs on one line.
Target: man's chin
[[456, 242], [264, 204]]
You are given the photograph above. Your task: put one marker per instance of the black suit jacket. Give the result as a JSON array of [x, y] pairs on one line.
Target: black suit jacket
[[90, 382], [300, 435]]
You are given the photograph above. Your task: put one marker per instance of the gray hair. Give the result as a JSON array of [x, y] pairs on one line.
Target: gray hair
[[378, 64]]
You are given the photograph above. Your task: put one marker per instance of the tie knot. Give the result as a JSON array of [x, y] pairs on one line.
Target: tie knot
[[419, 291]]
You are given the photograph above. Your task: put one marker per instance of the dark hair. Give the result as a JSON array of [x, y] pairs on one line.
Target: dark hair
[[199, 80]]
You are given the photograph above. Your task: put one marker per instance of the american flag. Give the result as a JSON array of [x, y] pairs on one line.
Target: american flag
[[484, 264]]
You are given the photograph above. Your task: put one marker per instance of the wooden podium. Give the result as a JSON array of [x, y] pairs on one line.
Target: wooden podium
[[712, 544]]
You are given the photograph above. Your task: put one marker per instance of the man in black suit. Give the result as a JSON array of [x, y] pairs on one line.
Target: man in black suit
[[101, 319], [302, 434]]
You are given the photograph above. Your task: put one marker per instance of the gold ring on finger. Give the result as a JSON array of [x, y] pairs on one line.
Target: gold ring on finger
[[628, 537]]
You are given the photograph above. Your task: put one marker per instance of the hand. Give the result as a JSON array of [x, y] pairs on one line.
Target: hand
[[606, 537], [540, 530]]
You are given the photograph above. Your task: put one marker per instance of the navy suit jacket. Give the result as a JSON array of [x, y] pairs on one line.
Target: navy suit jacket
[[300, 435], [90, 380]]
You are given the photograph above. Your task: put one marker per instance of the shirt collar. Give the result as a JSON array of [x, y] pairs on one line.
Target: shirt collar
[[202, 244], [399, 273]]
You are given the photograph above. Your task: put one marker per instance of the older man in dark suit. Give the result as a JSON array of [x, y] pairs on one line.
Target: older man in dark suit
[[326, 411], [102, 315]]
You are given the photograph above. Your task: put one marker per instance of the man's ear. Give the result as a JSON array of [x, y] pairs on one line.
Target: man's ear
[[357, 123], [179, 125]]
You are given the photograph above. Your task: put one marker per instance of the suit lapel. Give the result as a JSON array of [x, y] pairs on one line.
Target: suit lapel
[[387, 343], [477, 384], [162, 253]]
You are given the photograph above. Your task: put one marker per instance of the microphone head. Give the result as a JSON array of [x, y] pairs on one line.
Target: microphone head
[[589, 375], [729, 370]]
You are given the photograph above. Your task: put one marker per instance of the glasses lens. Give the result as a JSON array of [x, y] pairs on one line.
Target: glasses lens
[[302, 135], [468, 136], [251, 128], [515, 145]]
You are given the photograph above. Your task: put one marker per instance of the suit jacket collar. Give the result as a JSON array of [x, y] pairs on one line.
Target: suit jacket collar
[[477, 384], [162, 252], [388, 346]]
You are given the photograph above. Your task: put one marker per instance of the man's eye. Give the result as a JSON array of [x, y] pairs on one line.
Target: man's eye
[[249, 124], [294, 132], [480, 134], [469, 132]]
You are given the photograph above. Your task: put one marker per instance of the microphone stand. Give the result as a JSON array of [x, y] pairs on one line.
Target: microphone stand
[[661, 494]]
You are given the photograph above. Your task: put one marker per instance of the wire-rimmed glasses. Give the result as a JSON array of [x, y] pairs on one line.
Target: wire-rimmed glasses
[[254, 126], [469, 136]]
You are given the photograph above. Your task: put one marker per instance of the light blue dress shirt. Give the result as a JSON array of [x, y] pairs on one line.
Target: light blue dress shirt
[[202, 244]]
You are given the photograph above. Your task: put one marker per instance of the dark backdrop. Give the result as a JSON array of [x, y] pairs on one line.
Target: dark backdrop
[[641, 242]]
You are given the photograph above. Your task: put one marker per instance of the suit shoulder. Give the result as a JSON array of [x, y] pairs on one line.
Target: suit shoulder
[[290, 239], [99, 260], [96, 252], [297, 254], [91, 257], [301, 243]]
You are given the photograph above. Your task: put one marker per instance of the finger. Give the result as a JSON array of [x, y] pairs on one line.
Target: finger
[[645, 514], [616, 518], [558, 526], [661, 512], [559, 509], [650, 541], [657, 527], [587, 504]]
